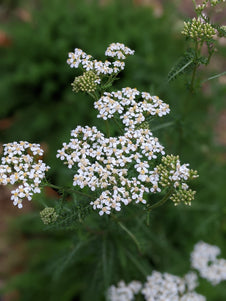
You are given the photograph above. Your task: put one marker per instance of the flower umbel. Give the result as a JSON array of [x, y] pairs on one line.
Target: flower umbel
[[124, 168], [158, 287], [126, 103], [21, 164], [204, 259]]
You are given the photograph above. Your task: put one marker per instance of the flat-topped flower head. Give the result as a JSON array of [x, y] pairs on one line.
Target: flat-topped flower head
[[105, 164], [98, 69], [21, 164], [122, 169], [159, 287], [204, 259], [165, 286], [118, 50], [124, 292], [132, 106]]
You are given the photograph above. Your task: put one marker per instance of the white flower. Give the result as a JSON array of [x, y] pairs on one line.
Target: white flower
[[192, 296], [103, 163], [124, 292], [128, 105], [20, 165], [204, 259], [118, 50]]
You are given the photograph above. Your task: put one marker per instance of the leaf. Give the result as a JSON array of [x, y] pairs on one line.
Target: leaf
[[183, 65]]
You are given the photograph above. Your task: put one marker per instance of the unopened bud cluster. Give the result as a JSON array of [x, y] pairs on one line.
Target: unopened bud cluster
[[198, 29], [172, 173], [215, 2], [206, 3], [79, 59], [21, 165], [48, 215], [86, 83]]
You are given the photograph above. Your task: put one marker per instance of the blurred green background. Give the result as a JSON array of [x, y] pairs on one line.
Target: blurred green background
[[38, 105]]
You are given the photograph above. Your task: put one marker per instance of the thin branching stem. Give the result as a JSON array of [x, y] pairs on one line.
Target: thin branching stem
[[162, 201], [63, 190], [214, 76], [132, 236], [195, 68]]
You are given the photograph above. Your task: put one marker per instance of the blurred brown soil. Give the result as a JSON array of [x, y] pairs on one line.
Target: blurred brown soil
[[12, 252]]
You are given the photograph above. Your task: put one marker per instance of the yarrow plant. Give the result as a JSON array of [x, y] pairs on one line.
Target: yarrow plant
[[129, 167], [117, 170], [165, 286]]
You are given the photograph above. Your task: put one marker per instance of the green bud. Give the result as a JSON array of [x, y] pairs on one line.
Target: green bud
[[185, 196], [86, 83], [144, 125], [198, 29], [48, 215]]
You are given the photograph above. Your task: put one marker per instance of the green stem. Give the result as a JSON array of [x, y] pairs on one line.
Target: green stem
[[193, 78], [180, 70], [53, 186], [137, 263], [93, 95], [214, 76], [162, 201], [132, 236], [104, 261], [209, 57], [195, 68], [63, 189], [83, 194], [194, 2], [119, 126], [107, 128]]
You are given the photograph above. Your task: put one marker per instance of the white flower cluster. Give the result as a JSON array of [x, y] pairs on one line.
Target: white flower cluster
[[121, 169], [79, 58], [158, 287], [124, 292], [169, 287], [118, 50], [131, 111], [21, 164], [181, 172], [204, 259], [106, 164]]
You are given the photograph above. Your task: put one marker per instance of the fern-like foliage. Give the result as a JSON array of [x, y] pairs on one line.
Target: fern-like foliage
[[69, 218], [184, 65]]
